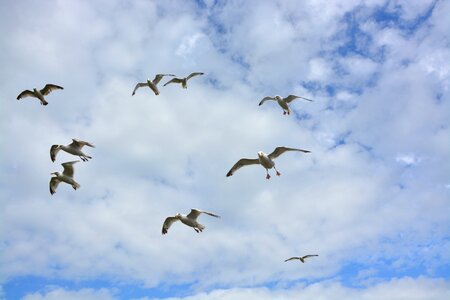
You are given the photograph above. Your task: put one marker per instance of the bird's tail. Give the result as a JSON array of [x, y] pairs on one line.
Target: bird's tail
[[76, 185], [43, 102], [201, 227]]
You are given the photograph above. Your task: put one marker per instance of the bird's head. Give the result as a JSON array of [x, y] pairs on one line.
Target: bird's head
[[260, 154], [278, 97], [55, 173], [178, 215]]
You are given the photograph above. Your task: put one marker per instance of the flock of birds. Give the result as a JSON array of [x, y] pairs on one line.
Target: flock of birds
[[75, 148]]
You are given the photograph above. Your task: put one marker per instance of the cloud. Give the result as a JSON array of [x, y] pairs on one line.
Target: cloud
[[351, 200]]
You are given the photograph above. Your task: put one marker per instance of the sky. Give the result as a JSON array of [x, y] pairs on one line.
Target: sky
[[372, 199]]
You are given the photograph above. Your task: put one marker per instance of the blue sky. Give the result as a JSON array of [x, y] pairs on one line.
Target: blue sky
[[372, 199]]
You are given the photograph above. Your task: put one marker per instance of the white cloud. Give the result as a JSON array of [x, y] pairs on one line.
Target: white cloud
[[348, 200]]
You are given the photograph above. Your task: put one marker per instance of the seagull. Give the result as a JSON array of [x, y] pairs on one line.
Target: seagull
[[73, 148], [184, 80], [263, 159], [301, 258], [189, 220], [40, 93], [66, 176], [283, 102], [151, 84]]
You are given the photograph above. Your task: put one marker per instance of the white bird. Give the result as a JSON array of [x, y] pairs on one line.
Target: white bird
[[263, 159], [66, 176], [73, 148], [151, 84], [184, 80], [40, 93], [301, 258], [283, 102], [189, 220]]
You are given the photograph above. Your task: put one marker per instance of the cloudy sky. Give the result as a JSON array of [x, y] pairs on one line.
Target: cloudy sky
[[372, 199]]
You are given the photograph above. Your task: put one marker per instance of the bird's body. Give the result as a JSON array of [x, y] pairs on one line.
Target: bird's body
[[301, 258], [283, 102], [66, 176], [189, 220], [73, 148], [152, 84], [265, 160], [184, 80], [39, 94]]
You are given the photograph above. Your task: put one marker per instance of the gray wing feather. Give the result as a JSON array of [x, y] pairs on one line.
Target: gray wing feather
[[196, 212], [266, 99], [280, 150], [140, 84], [49, 88], [174, 80], [79, 144], [241, 163], [26, 93], [158, 78], [292, 258], [53, 185], [167, 223], [68, 167], [194, 74], [290, 98]]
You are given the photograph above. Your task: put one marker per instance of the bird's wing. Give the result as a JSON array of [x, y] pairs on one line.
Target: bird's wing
[[140, 84], [26, 93], [174, 80], [266, 99], [241, 163], [280, 150], [194, 74], [309, 255], [196, 212], [53, 151], [79, 144], [292, 258], [68, 167], [53, 185], [167, 223], [290, 98], [49, 88], [158, 78]]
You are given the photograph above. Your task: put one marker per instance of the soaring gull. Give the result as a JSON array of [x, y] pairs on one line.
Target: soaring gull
[[189, 220], [73, 148], [151, 84], [263, 159], [301, 258], [184, 80], [66, 176], [40, 93], [283, 102]]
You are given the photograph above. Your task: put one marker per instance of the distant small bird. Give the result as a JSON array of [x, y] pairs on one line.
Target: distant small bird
[[151, 84], [66, 176], [189, 220], [73, 148], [184, 80], [302, 258], [283, 102], [40, 93], [263, 159]]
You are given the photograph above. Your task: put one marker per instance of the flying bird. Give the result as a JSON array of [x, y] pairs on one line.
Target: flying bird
[[189, 220], [263, 159], [301, 258], [66, 176], [73, 148], [40, 93], [184, 80], [283, 102], [151, 84]]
